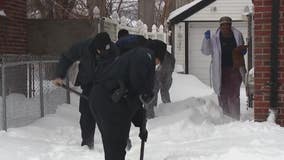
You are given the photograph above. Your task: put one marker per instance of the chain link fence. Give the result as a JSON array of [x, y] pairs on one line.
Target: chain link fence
[[27, 93]]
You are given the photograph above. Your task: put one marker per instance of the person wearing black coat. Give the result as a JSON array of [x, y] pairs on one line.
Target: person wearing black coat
[[163, 82], [125, 43], [86, 53], [115, 96]]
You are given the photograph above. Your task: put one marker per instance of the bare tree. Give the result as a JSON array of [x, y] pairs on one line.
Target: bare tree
[[70, 9], [66, 9], [166, 11], [102, 6], [147, 11], [119, 5], [161, 10], [52, 9]]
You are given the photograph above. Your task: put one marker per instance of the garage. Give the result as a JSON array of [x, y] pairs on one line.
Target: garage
[[189, 23]]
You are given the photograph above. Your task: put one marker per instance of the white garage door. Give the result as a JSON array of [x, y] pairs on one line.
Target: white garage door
[[199, 63]]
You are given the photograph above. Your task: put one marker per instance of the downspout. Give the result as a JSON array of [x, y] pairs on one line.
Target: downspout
[[172, 38], [186, 48], [274, 55], [249, 60]]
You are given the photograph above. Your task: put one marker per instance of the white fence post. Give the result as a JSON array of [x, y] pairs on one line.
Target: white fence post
[[113, 25]]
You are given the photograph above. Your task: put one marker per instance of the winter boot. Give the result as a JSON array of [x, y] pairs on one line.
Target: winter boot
[[89, 144], [128, 145]]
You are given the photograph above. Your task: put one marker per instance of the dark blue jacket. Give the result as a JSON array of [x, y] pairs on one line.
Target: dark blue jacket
[[129, 42]]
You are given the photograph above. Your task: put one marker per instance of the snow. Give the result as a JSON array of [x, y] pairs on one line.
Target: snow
[[191, 128], [2, 13]]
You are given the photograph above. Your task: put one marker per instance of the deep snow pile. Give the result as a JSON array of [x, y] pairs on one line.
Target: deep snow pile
[[191, 128]]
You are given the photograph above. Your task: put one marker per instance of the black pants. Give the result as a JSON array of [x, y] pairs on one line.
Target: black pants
[[87, 121], [114, 139], [113, 120]]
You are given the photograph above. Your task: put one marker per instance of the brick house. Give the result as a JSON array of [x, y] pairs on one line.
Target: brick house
[[269, 59], [13, 40], [13, 27]]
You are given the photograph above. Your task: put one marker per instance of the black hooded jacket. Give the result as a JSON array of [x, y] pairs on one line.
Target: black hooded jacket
[[86, 55], [135, 69]]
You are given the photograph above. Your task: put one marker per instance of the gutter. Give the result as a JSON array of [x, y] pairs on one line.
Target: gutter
[[274, 63]]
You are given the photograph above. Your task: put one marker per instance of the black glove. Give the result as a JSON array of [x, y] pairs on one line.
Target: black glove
[[118, 95], [147, 98], [207, 34], [143, 134], [138, 117]]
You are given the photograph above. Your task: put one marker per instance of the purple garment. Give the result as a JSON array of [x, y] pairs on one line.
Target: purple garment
[[229, 98]]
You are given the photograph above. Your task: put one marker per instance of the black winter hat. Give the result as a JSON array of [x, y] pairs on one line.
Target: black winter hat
[[122, 33], [102, 41], [159, 48]]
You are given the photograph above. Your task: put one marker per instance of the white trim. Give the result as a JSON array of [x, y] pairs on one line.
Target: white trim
[[180, 10], [215, 10]]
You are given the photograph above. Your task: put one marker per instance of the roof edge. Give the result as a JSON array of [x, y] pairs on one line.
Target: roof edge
[[190, 11]]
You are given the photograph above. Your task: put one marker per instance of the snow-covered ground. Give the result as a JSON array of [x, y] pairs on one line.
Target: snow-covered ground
[[190, 128]]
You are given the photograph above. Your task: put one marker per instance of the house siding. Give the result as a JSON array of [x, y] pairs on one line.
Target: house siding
[[13, 27], [13, 40], [219, 8], [262, 40], [206, 17], [179, 49]]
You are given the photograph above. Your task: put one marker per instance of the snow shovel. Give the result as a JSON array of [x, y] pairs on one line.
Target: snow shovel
[[74, 91], [79, 94], [143, 128]]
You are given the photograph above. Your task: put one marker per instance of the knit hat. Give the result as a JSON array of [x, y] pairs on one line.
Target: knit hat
[[225, 19], [159, 48], [122, 33], [102, 41]]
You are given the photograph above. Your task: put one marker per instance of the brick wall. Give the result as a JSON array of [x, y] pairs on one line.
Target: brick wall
[[13, 36], [262, 39]]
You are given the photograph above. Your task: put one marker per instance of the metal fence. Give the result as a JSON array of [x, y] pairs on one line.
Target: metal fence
[[27, 93]]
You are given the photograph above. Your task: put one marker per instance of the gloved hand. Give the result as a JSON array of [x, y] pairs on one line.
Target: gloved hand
[[139, 117], [207, 34], [58, 82], [147, 98], [143, 134], [244, 49]]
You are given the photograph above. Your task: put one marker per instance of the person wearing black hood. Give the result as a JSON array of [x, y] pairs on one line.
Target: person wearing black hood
[[86, 52], [115, 97]]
